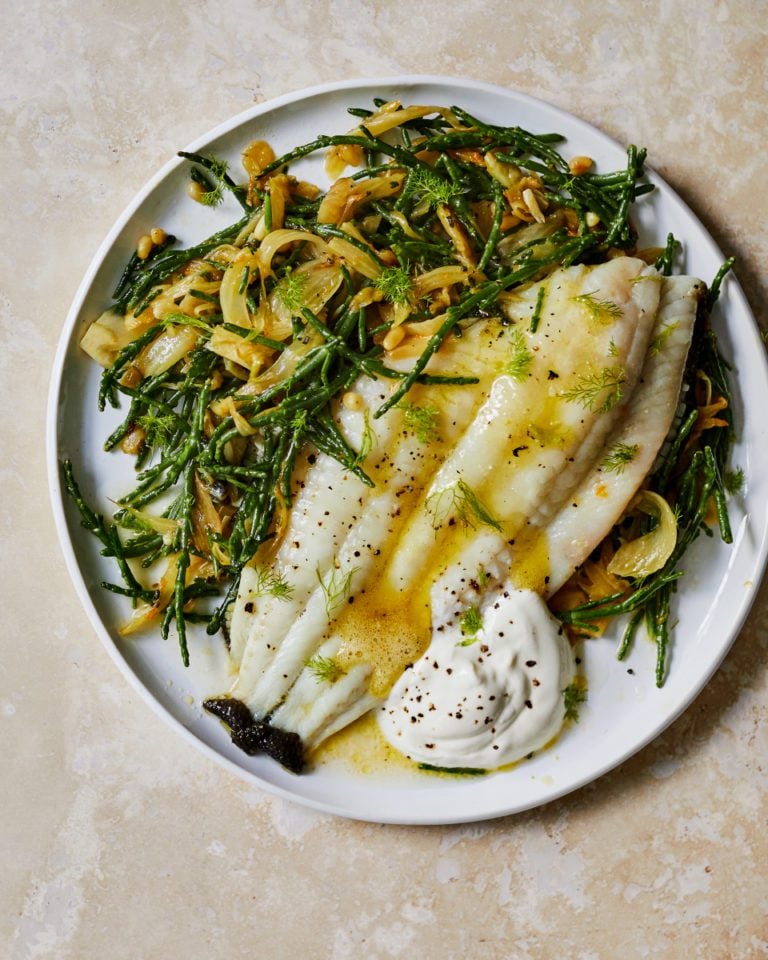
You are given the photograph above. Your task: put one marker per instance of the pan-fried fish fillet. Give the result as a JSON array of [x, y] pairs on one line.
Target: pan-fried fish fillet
[[510, 481]]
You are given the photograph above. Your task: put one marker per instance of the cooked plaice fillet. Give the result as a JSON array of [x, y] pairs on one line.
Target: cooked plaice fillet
[[505, 476], [594, 504]]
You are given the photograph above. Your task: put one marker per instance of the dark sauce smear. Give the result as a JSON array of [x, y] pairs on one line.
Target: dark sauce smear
[[257, 736]]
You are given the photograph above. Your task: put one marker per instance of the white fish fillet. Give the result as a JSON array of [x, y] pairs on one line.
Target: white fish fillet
[[592, 507], [367, 565]]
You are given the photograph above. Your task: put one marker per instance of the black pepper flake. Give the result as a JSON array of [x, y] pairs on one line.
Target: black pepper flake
[[529, 704], [249, 607], [530, 663]]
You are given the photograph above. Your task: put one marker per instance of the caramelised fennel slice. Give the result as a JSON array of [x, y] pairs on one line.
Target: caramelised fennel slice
[[463, 474]]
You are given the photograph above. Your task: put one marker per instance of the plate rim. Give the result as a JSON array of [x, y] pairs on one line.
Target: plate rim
[[57, 494]]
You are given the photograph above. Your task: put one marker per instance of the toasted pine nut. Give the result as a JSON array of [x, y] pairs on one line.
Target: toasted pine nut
[[579, 165], [157, 235], [144, 247], [195, 190], [393, 339], [133, 441], [531, 201], [352, 401]]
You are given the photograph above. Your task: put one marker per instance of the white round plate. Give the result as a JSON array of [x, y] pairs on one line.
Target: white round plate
[[625, 711]]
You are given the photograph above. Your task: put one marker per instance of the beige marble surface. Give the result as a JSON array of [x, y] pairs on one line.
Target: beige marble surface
[[119, 840]]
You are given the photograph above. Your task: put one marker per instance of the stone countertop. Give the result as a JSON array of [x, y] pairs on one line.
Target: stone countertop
[[118, 839]]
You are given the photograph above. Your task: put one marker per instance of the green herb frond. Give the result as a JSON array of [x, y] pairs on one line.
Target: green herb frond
[[273, 583], [367, 440], [212, 198], [598, 391], [158, 428], [613, 350], [661, 338], [470, 508], [395, 284], [734, 480], [619, 456], [460, 502], [433, 187], [290, 290], [573, 696], [420, 421], [470, 623], [335, 586], [520, 358], [604, 311], [325, 669]]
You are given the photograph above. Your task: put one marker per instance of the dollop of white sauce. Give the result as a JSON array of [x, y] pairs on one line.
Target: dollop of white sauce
[[488, 702]]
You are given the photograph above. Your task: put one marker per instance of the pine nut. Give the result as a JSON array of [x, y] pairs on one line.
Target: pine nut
[[144, 247], [195, 190], [579, 165], [393, 339]]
